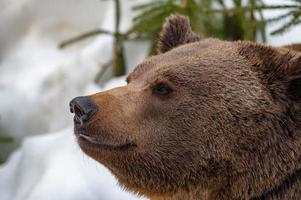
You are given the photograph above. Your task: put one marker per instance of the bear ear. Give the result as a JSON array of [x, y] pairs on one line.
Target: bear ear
[[176, 31], [278, 68]]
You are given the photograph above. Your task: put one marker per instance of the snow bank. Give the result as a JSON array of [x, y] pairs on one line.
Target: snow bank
[[37, 80], [52, 167]]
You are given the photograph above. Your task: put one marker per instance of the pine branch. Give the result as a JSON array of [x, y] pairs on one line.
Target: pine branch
[[287, 26], [119, 55], [102, 71], [280, 17], [262, 20], [83, 37], [6, 139], [148, 5], [249, 8], [153, 10]]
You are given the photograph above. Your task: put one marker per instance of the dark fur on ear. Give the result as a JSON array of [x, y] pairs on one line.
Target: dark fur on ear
[[176, 31], [279, 68], [294, 89]]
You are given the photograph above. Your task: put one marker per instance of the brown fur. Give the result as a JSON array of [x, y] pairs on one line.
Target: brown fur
[[229, 128]]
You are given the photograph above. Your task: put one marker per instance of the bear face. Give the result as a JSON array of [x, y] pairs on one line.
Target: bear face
[[204, 118]]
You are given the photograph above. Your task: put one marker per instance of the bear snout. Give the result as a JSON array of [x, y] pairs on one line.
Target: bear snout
[[83, 108]]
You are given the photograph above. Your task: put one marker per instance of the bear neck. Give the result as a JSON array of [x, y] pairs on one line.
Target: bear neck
[[264, 182], [291, 183], [288, 189]]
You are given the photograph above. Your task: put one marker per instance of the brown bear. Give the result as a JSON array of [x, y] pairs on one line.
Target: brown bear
[[203, 119]]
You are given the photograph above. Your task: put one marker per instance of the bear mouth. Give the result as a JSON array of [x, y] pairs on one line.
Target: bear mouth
[[90, 141]]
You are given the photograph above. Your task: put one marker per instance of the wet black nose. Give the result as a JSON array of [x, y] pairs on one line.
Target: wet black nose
[[83, 108]]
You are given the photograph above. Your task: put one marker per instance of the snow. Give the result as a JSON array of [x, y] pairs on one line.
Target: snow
[[37, 81], [52, 166], [36, 78]]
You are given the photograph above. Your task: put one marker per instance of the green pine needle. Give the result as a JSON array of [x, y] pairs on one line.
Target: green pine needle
[[6, 139]]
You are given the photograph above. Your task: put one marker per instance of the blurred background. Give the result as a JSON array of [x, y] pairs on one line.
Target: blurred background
[[52, 51]]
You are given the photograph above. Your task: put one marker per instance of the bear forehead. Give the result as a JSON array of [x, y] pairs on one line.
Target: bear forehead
[[208, 54]]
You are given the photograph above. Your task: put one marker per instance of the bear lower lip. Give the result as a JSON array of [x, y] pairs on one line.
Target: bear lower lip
[[93, 142], [89, 139]]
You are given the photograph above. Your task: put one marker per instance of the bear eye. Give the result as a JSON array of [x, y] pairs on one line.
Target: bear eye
[[162, 89]]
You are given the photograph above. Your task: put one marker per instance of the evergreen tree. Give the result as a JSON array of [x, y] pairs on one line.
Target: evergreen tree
[[5, 140], [234, 20]]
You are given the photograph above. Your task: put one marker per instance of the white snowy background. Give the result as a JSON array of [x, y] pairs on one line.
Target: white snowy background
[[37, 80]]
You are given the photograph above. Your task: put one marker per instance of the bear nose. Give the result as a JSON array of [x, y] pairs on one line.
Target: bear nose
[[83, 108]]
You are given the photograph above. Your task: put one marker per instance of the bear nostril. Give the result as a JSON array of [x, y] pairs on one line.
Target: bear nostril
[[83, 108], [71, 108], [78, 112]]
